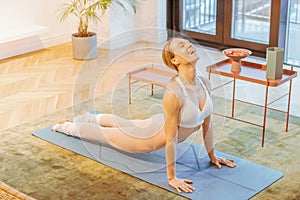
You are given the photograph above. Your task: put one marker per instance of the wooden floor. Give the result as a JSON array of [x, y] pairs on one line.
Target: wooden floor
[[33, 85], [39, 83]]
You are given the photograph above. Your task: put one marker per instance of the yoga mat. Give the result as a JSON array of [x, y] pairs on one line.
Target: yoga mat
[[241, 182]]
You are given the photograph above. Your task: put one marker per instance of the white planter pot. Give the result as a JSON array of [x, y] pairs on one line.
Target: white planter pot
[[84, 48]]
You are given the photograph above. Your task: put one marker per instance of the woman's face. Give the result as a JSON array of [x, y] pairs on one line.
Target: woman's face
[[184, 51]]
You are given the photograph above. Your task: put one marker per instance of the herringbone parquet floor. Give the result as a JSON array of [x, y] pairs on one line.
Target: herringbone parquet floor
[[35, 84], [41, 82]]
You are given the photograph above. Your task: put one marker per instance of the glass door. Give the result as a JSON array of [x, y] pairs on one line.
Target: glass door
[[251, 24], [292, 56], [251, 21], [199, 19]]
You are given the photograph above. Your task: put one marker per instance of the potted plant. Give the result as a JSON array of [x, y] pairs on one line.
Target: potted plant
[[84, 42]]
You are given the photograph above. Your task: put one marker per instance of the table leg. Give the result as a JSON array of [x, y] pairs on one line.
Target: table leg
[[233, 98], [152, 89], [265, 114], [288, 108], [129, 90]]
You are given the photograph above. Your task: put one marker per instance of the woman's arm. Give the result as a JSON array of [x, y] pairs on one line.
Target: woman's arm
[[171, 110], [208, 137], [208, 142]]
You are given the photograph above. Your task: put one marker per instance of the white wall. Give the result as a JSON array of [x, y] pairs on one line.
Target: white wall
[[27, 13], [119, 28], [153, 20], [21, 20], [24, 13]]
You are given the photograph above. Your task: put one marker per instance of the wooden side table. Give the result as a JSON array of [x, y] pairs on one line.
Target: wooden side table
[[253, 73], [149, 75]]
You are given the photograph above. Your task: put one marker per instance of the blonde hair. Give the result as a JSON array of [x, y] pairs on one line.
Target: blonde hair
[[168, 55]]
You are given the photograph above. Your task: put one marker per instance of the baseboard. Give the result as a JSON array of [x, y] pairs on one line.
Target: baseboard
[[117, 41], [33, 43], [56, 40], [152, 35], [21, 39], [20, 46]]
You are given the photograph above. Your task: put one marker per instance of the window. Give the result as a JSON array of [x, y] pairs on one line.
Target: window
[[292, 54]]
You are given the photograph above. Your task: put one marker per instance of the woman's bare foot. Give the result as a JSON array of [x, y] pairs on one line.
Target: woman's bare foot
[[83, 116], [68, 128], [86, 117], [65, 120], [71, 119]]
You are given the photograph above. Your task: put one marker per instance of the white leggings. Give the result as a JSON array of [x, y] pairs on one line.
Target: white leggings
[[128, 135]]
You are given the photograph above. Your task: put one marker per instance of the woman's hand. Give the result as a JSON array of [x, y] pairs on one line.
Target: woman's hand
[[182, 185], [219, 161]]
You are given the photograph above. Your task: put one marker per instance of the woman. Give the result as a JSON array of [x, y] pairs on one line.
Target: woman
[[187, 106]]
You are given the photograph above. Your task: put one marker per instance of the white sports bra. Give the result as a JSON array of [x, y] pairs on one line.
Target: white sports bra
[[191, 116]]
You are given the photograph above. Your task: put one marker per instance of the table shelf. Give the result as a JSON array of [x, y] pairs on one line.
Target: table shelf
[[250, 71]]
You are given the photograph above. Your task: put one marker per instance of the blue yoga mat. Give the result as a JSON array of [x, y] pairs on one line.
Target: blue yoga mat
[[241, 182]]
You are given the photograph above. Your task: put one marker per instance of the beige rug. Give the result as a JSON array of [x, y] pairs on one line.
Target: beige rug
[[45, 171]]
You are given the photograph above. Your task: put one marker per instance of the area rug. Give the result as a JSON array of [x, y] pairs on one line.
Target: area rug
[[242, 182], [45, 171]]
